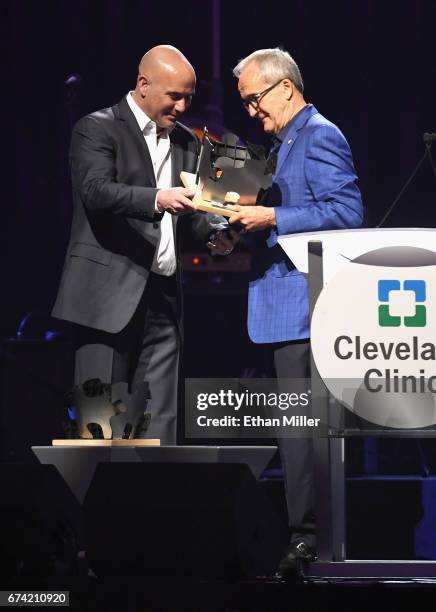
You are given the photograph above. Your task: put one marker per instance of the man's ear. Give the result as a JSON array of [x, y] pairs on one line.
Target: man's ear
[[288, 87], [143, 84]]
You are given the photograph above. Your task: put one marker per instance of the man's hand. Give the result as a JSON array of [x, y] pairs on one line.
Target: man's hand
[[253, 218], [223, 242], [176, 201]]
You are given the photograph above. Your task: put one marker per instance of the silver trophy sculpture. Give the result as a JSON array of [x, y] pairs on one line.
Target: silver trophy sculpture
[[228, 173]]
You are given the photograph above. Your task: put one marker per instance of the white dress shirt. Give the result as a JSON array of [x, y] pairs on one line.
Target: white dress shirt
[[164, 261]]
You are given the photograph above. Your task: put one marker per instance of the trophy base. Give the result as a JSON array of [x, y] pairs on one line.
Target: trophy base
[[225, 210]]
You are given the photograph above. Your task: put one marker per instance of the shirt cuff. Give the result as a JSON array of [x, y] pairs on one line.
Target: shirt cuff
[[155, 204]]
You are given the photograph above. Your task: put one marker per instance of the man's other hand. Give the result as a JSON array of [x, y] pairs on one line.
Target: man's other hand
[[253, 218], [176, 201]]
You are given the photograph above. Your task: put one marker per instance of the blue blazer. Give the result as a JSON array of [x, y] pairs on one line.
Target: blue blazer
[[314, 189]]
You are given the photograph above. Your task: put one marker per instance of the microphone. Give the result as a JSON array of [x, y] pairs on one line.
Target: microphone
[[73, 80], [428, 138]]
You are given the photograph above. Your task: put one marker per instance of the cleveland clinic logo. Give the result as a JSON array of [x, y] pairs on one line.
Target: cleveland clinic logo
[[376, 349], [402, 304]]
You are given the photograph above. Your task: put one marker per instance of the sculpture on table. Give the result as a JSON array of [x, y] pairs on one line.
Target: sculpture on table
[[97, 410]]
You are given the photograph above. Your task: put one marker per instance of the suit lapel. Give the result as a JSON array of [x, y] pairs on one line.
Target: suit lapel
[[292, 133], [125, 115], [176, 156], [176, 162]]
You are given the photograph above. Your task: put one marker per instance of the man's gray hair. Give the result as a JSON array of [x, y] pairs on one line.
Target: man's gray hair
[[273, 64]]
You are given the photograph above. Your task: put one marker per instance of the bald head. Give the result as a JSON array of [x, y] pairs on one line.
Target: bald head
[[165, 85], [164, 58]]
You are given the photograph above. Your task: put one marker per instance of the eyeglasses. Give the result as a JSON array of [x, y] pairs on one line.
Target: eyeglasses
[[254, 99]]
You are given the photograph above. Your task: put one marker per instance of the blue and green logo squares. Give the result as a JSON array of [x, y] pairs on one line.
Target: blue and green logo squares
[[385, 319], [389, 291]]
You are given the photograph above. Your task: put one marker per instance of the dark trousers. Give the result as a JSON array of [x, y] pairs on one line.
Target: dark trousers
[[292, 360], [146, 349]]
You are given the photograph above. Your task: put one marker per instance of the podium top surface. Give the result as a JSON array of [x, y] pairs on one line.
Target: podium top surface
[[341, 246]]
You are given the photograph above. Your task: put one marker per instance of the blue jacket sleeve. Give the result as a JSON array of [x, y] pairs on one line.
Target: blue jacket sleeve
[[331, 198]]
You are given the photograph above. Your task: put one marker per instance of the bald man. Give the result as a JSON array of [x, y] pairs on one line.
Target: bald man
[[118, 285]]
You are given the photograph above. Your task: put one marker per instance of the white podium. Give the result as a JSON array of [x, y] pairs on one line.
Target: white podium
[[321, 255]]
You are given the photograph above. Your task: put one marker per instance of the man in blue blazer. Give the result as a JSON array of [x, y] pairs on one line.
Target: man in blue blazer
[[314, 188]]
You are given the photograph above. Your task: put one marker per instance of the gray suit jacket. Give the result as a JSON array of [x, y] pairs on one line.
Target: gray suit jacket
[[115, 228]]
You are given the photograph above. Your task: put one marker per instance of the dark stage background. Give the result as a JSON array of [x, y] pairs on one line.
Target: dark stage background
[[369, 66]]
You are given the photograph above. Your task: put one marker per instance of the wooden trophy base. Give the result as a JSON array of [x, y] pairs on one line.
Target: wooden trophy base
[[111, 443], [225, 210]]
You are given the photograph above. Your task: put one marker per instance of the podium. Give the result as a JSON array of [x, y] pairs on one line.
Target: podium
[[321, 256]]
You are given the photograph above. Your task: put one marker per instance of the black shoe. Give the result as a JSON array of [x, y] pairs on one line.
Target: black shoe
[[297, 554]]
